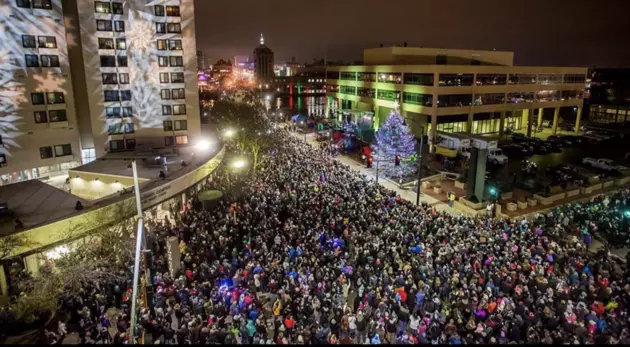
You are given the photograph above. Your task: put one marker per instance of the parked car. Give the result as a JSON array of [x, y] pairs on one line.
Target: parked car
[[539, 147], [518, 137], [496, 156], [572, 140], [602, 163], [554, 147], [516, 150]]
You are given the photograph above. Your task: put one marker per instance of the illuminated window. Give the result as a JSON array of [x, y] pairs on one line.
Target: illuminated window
[[31, 60], [112, 112], [38, 99], [162, 61], [40, 117], [165, 94], [181, 140], [159, 10], [55, 98], [181, 125], [174, 28], [58, 115], [45, 152], [122, 61], [160, 28], [127, 111], [123, 78], [455, 80], [116, 145], [111, 95], [549, 79], [42, 4], [178, 94], [63, 150], [177, 77], [23, 3], [175, 45], [163, 77], [121, 44], [105, 43], [49, 60], [102, 7], [88, 155], [110, 78], [172, 11], [162, 45], [168, 125], [114, 129], [47, 42], [117, 8], [28, 41], [167, 110], [179, 109], [176, 61], [103, 25], [108, 61], [119, 26], [573, 78], [522, 79], [125, 95]]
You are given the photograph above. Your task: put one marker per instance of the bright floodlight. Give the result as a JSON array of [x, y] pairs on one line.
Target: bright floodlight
[[229, 133], [203, 145], [268, 97], [238, 164]]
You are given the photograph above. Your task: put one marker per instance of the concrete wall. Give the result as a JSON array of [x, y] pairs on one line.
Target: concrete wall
[[21, 136], [93, 186]]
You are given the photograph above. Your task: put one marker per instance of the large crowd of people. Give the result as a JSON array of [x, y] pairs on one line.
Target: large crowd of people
[[312, 252]]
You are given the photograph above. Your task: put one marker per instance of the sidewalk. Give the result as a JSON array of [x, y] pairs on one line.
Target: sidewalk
[[406, 194]]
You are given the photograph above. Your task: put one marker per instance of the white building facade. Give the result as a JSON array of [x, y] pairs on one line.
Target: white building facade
[[140, 71], [38, 123]]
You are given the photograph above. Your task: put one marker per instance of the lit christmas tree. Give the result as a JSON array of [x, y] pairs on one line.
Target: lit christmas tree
[[394, 138]]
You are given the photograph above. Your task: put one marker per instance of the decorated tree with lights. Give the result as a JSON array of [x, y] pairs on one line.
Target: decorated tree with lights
[[395, 138]]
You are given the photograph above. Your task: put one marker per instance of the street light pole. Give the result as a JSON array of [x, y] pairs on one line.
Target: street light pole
[[377, 160], [139, 242], [419, 170], [418, 189]]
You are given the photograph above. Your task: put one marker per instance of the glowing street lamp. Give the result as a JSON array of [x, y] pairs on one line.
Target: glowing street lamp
[[203, 145], [239, 163], [228, 133]]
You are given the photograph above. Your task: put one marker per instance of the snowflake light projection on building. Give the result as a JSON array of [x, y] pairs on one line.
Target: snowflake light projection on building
[[143, 74], [12, 24], [394, 138]]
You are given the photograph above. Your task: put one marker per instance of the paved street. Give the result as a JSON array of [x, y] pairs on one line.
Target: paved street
[[406, 194]]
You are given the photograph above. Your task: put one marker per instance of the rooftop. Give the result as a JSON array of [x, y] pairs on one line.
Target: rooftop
[[149, 165], [34, 202], [397, 55]]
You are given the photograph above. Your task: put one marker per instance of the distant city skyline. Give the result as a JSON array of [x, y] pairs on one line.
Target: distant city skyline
[[540, 32]]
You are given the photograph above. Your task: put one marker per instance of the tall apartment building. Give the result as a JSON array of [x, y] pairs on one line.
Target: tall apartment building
[[38, 123], [139, 67], [81, 78]]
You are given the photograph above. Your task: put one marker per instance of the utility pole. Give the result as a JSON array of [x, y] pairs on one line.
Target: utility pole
[[140, 239], [419, 169]]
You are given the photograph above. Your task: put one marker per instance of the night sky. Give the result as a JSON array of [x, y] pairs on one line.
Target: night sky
[[540, 32]]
